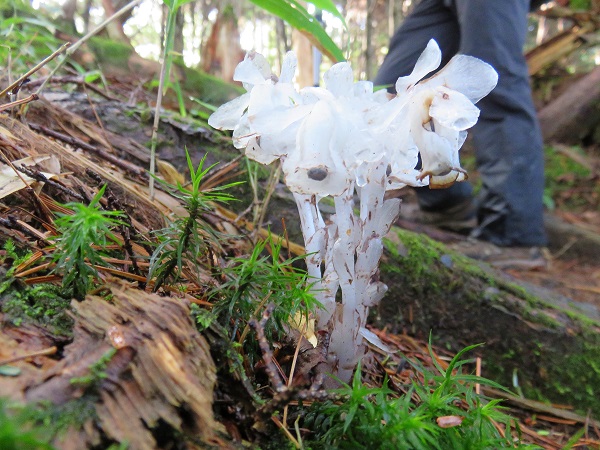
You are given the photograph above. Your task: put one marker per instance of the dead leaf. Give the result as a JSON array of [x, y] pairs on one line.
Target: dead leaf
[[449, 421], [11, 182]]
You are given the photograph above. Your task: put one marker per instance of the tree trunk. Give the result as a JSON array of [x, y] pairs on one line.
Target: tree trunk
[[573, 116], [69, 9], [223, 51], [303, 49], [178, 43], [158, 372], [115, 28]]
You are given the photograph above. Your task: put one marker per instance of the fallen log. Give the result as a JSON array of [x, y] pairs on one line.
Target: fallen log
[[573, 115], [548, 343], [142, 366]]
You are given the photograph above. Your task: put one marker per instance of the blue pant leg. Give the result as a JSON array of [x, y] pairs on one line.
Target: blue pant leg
[[507, 137], [431, 19]]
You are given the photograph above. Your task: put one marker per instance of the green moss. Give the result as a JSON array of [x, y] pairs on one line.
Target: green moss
[[43, 422], [44, 304], [208, 88], [555, 352], [114, 52]]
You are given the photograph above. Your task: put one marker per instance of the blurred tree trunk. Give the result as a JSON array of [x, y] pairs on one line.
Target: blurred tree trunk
[[223, 51], [369, 63], [115, 28], [303, 49], [68, 15], [282, 41], [178, 37], [85, 15]]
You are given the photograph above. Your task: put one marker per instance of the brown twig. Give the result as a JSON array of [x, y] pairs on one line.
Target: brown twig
[[267, 354], [85, 146], [45, 352], [18, 82], [23, 101], [74, 79], [39, 176]]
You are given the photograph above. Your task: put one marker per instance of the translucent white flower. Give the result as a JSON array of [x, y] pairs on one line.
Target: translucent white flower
[[251, 116], [440, 110], [317, 167]]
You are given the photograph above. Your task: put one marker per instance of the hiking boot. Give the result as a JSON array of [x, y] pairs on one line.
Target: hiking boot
[[522, 258], [460, 218]]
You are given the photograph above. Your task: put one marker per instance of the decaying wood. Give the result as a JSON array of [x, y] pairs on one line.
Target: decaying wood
[[161, 373], [573, 115], [555, 48]]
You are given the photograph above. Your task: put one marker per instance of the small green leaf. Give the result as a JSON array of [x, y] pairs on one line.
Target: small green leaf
[[10, 371]]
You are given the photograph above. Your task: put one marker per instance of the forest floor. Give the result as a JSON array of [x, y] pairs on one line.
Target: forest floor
[[85, 143]]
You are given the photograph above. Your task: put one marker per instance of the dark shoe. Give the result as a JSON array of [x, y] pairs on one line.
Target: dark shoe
[[460, 218], [522, 258]]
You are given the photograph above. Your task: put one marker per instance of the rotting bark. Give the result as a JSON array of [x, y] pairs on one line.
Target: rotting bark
[[161, 375], [547, 341]]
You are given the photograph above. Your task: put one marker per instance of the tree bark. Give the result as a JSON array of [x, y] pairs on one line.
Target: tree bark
[[573, 116], [115, 28], [223, 51]]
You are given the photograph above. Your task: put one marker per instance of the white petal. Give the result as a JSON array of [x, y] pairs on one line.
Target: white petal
[[311, 168], [257, 153], [254, 69], [339, 79], [468, 75], [373, 339], [242, 133], [429, 60], [387, 215], [229, 114], [266, 97], [437, 153], [276, 119], [311, 94], [445, 181], [453, 110], [288, 68], [363, 89]]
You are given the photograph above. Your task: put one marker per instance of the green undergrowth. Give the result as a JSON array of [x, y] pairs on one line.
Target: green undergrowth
[[559, 360], [188, 242], [568, 183], [251, 283], [441, 411], [36, 426]]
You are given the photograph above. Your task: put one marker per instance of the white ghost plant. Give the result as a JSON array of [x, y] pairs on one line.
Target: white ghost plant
[[345, 139]]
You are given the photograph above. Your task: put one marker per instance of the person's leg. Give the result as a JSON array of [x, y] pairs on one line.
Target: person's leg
[[431, 19], [507, 137]]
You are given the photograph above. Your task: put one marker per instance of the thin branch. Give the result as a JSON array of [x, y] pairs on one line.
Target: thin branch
[[46, 351], [20, 80]]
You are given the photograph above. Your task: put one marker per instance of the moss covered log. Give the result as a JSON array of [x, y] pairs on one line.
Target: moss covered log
[[547, 343]]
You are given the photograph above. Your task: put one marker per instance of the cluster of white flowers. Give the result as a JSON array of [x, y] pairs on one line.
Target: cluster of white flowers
[[346, 137]]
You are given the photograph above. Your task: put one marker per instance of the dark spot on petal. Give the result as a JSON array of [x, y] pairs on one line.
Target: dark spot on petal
[[445, 96], [388, 171], [317, 173]]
